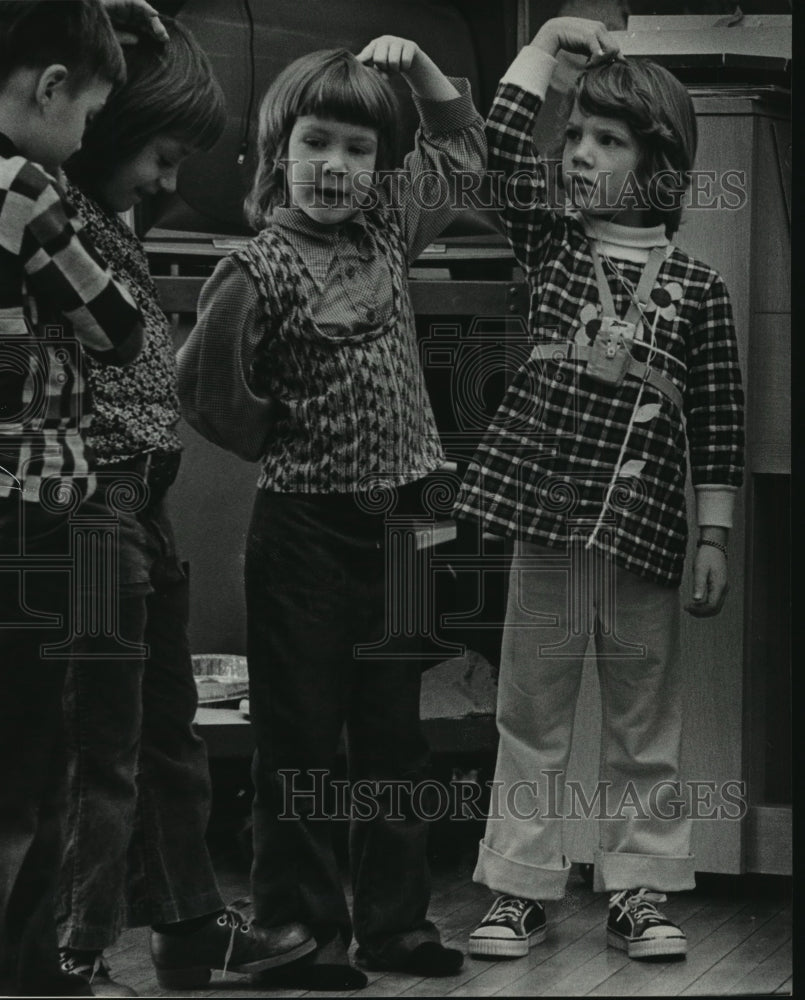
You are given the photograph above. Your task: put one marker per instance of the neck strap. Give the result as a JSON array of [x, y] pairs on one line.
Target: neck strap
[[640, 298]]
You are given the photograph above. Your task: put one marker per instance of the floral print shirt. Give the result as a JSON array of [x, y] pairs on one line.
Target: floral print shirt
[[135, 409]]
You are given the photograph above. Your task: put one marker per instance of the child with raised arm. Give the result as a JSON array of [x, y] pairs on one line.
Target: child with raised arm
[[58, 62], [322, 292], [634, 361]]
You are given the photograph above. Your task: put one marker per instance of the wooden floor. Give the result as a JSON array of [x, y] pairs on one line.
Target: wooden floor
[[738, 928]]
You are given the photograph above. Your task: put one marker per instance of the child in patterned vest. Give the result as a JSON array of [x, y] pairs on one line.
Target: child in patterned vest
[[320, 302], [634, 362]]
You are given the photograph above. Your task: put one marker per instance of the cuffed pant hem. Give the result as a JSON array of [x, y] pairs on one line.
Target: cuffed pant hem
[[514, 878], [618, 870]]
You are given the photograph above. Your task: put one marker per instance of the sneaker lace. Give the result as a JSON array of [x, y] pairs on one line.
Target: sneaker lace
[[643, 904], [99, 967], [237, 922], [508, 907], [69, 963]]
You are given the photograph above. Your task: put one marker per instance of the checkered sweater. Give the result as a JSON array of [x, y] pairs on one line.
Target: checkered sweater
[[565, 454], [57, 298], [351, 410]]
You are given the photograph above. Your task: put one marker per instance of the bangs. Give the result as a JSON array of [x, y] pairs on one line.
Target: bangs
[[328, 83], [345, 90]]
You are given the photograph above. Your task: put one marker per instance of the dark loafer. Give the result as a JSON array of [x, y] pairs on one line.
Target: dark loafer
[[228, 942]]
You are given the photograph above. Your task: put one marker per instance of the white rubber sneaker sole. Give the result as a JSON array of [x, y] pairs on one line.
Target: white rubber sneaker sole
[[495, 947], [649, 948]]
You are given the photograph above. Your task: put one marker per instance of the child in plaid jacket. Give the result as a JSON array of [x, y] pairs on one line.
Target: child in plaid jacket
[[633, 361]]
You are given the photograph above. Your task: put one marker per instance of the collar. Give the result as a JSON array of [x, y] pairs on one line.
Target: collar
[[296, 221], [624, 242]]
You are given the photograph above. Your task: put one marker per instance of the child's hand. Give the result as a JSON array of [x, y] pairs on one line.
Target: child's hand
[[132, 16], [390, 54], [577, 34], [709, 582]]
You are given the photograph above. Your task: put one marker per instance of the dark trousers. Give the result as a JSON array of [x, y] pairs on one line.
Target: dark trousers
[[135, 850], [316, 585], [34, 602]]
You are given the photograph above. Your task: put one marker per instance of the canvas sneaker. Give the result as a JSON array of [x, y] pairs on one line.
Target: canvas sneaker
[[636, 926], [510, 928]]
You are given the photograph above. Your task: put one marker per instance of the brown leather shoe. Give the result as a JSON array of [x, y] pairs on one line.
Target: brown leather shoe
[[228, 942]]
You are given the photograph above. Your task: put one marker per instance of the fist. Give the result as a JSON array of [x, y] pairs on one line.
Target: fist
[[389, 54], [577, 34], [131, 17]]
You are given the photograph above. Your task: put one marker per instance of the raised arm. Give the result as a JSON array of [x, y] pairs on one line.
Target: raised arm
[[524, 181], [449, 141]]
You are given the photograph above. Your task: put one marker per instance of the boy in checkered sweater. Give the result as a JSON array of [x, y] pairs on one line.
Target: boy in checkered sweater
[[58, 62], [634, 360]]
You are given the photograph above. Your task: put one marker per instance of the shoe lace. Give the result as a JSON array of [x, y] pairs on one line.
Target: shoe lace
[[99, 967], [236, 922], [508, 907], [69, 963], [643, 904]]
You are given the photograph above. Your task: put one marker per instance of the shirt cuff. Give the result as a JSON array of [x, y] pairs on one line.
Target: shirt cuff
[[452, 115], [715, 505], [531, 70]]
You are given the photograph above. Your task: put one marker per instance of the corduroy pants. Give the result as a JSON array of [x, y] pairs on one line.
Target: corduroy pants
[[317, 589], [558, 600]]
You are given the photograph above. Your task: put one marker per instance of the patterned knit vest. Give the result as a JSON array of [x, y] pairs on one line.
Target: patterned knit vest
[[352, 410]]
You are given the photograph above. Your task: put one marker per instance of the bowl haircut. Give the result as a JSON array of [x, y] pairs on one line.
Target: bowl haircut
[[329, 83]]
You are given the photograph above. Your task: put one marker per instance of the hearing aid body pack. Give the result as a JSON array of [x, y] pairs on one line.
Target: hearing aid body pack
[[609, 358], [610, 351]]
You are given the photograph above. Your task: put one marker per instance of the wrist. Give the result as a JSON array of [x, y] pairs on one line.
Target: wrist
[[427, 81], [546, 40], [707, 543], [709, 533]]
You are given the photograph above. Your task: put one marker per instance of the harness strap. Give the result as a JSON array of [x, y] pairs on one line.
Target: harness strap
[[558, 351], [645, 285]]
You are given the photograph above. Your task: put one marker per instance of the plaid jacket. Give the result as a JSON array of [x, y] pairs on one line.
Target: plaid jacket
[[567, 455], [56, 298]]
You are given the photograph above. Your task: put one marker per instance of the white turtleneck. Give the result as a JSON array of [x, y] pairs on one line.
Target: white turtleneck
[[623, 242]]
